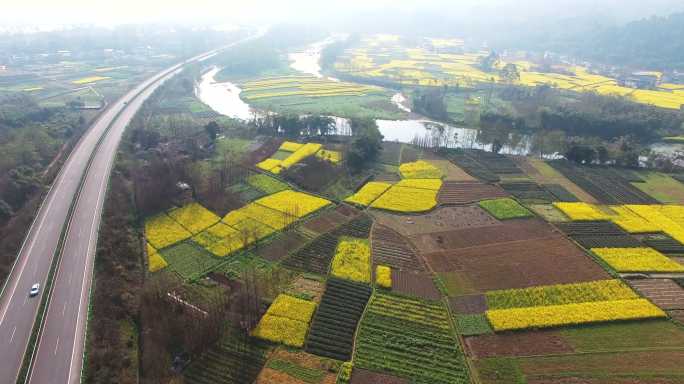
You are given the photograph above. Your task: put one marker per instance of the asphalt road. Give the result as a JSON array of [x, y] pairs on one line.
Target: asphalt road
[[58, 358]]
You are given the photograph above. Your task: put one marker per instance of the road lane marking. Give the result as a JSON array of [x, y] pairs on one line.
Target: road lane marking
[[14, 330], [64, 309], [57, 345]]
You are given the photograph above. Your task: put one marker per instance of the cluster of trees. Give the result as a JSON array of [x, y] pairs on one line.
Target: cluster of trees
[[293, 125], [366, 143]]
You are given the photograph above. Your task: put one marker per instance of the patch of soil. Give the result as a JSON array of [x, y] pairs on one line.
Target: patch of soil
[[391, 249], [677, 315], [519, 264], [468, 304], [310, 287], [285, 243], [464, 192], [441, 219], [327, 221], [509, 230], [664, 293], [410, 154], [313, 174], [271, 376], [363, 376], [414, 284], [528, 343]]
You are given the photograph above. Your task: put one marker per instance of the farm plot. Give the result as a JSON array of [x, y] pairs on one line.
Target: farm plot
[[468, 304], [409, 338], [542, 342], [505, 209], [359, 227], [333, 327], [266, 184], [472, 167], [541, 172], [662, 187], [281, 246], [598, 234], [518, 264], [495, 163], [560, 193], [352, 260], [528, 190], [194, 217], [229, 362], [406, 199], [162, 231], [416, 284], [662, 292], [290, 367], [637, 259], [364, 376], [286, 321], [457, 193], [663, 243], [438, 220], [274, 87], [507, 231], [391, 249], [309, 287], [368, 193], [315, 256], [391, 153], [331, 219], [605, 185], [189, 260]]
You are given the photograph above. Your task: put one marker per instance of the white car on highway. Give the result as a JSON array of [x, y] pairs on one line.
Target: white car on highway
[[35, 288]]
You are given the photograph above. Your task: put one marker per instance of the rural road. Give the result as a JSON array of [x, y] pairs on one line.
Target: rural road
[[58, 358]]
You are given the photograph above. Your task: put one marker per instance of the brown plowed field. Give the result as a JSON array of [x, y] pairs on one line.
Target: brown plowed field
[[280, 247], [468, 304], [414, 284], [362, 376], [664, 293], [460, 192], [331, 219], [390, 248], [509, 230], [677, 315], [519, 264], [439, 220], [528, 343]]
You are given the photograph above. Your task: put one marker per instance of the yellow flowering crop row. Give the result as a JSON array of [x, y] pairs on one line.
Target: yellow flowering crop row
[[582, 211], [402, 199], [300, 154], [162, 231], [286, 321], [269, 164], [331, 156], [665, 217], [432, 184], [572, 314], [601, 290], [637, 260], [626, 219], [383, 276], [289, 146], [155, 261], [352, 260], [293, 203], [88, 80], [219, 239], [419, 170], [194, 217], [368, 193]]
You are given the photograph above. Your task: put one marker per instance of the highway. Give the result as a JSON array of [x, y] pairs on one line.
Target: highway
[[83, 180]]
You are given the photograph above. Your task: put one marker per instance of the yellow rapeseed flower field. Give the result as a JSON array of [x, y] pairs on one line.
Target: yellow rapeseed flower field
[[368, 193], [383, 276], [162, 231], [194, 217], [582, 211], [286, 321], [293, 203], [90, 79], [352, 260], [637, 260], [572, 314], [432, 184], [403, 199], [419, 170], [155, 261], [289, 146], [332, 156]]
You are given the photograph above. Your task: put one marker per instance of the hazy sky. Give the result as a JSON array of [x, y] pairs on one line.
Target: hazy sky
[[55, 12]]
